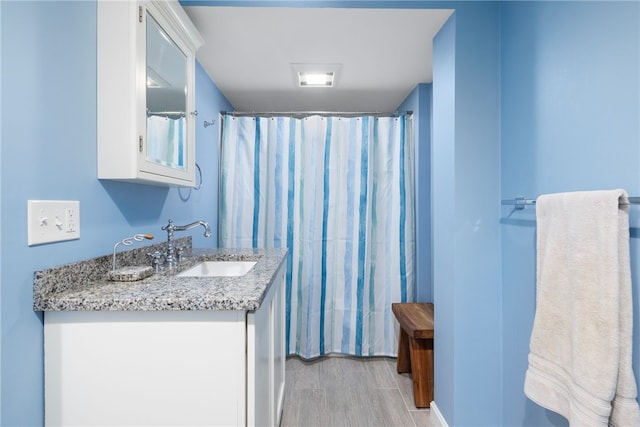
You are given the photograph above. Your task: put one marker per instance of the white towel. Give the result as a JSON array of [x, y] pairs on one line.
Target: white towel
[[581, 343]]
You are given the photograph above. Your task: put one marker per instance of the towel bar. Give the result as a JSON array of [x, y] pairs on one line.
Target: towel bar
[[521, 202]]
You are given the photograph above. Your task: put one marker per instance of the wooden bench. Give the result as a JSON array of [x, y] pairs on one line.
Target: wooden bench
[[415, 348]]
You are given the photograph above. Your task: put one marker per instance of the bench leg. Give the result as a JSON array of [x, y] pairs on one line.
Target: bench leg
[[422, 370], [404, 359]]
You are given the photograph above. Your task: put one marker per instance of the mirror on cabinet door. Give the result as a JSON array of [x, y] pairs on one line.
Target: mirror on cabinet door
[[146, 95], [166, 98]]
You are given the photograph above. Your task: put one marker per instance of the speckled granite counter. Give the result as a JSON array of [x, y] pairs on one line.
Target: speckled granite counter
[[83, 286]]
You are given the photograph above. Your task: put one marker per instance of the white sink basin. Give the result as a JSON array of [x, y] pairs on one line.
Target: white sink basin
[[218, 269]]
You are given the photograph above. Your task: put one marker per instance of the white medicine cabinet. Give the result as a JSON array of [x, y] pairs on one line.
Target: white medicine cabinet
[[146, 101]]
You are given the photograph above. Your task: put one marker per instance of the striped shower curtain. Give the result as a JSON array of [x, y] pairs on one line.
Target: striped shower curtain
[[339, 194]]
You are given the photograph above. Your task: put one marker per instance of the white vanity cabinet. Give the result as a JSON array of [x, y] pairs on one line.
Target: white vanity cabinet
[[146, 103], [178, 368]]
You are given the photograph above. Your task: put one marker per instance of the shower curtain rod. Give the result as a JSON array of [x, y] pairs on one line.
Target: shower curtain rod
[[302, 114]]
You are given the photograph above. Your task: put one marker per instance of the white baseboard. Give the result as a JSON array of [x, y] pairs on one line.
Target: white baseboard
[[436, 416]]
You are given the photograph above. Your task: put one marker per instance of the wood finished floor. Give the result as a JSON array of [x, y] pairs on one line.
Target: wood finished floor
[[347, 391]]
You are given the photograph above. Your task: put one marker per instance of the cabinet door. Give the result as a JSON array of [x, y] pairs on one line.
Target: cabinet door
[[260, 396], [166, 124], [142, 368], [266, 358], [279, 350]]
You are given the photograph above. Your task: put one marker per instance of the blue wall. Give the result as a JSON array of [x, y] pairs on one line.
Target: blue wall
[[419, 101], [0, 217], [465, 193], [49, 152], [570, 95], [443, 208]]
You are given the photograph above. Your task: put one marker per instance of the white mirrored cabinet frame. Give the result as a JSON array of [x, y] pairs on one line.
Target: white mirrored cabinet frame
[[146, 99]]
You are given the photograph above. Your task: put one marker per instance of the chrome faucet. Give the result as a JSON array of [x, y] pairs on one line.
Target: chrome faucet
[[171, 259]]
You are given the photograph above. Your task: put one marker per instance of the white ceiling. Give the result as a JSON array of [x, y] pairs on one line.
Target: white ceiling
[[384, 54]]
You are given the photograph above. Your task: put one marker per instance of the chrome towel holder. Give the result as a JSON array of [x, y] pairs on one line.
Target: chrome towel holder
[[521, 202]]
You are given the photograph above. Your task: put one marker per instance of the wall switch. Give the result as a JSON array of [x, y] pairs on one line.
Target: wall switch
[[52, 221]]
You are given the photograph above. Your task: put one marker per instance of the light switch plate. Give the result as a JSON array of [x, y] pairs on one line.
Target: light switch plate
[[52, 221]]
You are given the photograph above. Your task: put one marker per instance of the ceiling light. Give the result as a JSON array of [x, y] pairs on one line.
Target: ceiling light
[[315, 79], [315, 75], [155, 80], [152, 83]]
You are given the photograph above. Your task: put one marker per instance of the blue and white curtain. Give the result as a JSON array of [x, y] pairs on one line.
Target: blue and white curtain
[[339, 194]]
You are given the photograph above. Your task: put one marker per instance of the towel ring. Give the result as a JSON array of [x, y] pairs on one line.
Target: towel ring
[[199, 186]]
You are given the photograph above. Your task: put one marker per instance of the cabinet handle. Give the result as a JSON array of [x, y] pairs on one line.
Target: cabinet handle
[[140, 144], [140, 14], [194, 113]]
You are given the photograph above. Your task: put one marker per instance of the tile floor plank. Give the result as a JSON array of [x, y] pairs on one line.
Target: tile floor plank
[[348, 391], [305, 407]]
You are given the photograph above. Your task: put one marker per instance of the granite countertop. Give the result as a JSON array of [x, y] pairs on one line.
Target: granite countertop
[[84, 286]]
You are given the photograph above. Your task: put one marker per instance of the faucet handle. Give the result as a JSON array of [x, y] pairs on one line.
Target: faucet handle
[[156, 258], [180, 253], [168, 227]]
